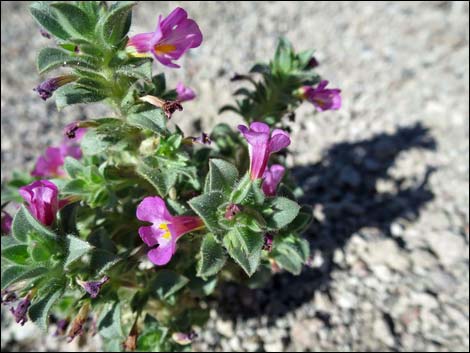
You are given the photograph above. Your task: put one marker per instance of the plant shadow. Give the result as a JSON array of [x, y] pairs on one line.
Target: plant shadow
[[351, 188]]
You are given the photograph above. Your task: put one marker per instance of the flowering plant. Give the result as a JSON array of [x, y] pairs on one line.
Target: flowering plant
[[126, 226]]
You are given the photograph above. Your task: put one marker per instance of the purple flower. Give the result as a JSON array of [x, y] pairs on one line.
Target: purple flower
[[262, 144], [48, 87], [21, 310], [43, 201], [7, 220], [61, 327], [184, 338], [93, 287], [321, 97], [165, 229], [184, 93], [50, 165], [174, 36], [272, 177]]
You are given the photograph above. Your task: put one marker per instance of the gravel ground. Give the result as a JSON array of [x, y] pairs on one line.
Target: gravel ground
[[388, 175]]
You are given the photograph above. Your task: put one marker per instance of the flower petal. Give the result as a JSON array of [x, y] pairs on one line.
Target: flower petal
[[153, 209], [142, 42], [279, 140], [162, 255]]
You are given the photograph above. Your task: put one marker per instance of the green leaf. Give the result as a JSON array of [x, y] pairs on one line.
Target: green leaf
[[166, 283], [163, 180], [76, 248], [109, 322], [24, 223], [15, 274], [291, 253], [281, 212], [206, 206], [222, 176], [303, 220], [212, 257], [249, 240], [117, 23], [139, 68], [52, 58], [153, 120], [73, 19], [72, 94], [102, 261], [17, 254], [47, 18], [73, 167], [40, 308], [236, 243]]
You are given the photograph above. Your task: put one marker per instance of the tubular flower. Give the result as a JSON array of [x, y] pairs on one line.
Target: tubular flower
[[321, 97], [184, 93], [272, 177], [21, 310], [48, 87], [165, 229], [174, 36], [262, 144], [43, 201]]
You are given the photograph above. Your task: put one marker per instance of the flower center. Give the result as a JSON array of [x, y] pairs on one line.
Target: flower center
[[167, 234], [161, 49]]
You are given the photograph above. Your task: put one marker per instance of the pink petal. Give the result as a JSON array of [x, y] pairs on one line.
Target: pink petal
[[150, 235], [279, 140], [162, 255], [153, 209], [260, 127], [142, 42]]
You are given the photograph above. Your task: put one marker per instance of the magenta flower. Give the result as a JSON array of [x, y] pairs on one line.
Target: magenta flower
[[7, 221], [50, 165], [184, 93], [321, 97], [272, 177], [262, 145], [47, 88], [165, 230], [42, 197], [174, 36]]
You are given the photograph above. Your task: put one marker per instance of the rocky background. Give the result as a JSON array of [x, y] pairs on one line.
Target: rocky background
[[388, 175]]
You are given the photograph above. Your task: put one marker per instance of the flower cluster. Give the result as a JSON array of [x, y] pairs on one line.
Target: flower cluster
[[125, 226]]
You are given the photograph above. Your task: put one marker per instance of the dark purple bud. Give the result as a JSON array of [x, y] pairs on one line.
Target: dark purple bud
[[48, 87], [93, 287], [61, 327], [268, 242], [21, 310], [44, 33], [203, 139], [168, 107], [8, 297], [231, 210], [7, 221], [313, 63]]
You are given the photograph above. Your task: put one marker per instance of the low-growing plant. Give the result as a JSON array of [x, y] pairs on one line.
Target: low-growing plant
[[126, 226]]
